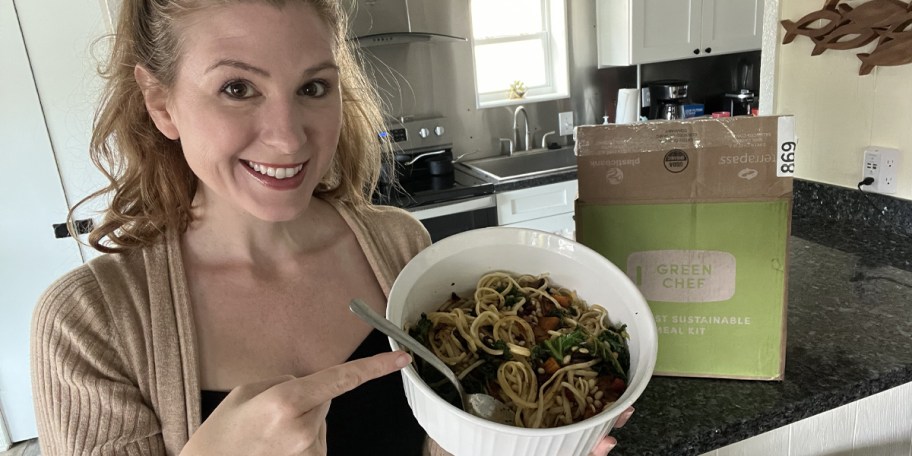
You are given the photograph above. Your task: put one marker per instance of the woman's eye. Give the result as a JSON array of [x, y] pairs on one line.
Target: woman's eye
[[314, 89], [238, 89]]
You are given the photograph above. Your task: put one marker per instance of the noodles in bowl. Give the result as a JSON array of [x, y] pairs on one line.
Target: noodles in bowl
[[454, 265], [540, 349]]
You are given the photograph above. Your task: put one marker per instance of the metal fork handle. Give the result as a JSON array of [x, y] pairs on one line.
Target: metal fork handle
[[362, 310]]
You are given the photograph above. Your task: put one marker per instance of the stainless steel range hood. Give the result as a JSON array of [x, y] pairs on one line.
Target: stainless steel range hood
[[384, 22]]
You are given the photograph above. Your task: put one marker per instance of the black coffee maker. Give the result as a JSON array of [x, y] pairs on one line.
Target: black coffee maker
[[740, 103], [667, 98]]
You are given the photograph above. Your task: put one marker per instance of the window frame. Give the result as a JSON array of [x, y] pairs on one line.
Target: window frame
[[555, 41]]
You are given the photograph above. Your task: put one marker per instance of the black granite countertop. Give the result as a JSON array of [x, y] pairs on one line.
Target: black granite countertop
[[848, 328], [534, 181], [849, 333]]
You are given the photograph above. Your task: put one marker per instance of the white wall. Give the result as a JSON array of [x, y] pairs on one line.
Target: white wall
[[837, 111]]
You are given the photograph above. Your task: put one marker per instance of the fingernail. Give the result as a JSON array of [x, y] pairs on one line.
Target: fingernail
[[403, 360], [612, 442]]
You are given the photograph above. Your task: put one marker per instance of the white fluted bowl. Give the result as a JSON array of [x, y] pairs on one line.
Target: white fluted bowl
[[455, 264]]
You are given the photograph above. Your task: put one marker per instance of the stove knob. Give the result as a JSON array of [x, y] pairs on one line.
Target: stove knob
[[439, 131], [424, 132]]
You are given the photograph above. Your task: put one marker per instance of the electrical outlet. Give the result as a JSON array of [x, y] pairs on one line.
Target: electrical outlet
[[565, 123], [882, 165]]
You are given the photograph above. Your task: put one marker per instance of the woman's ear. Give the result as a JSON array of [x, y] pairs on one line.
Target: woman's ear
[[156, 98]]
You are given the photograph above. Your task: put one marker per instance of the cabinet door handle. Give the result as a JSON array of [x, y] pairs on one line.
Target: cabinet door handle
[[696, 52], [708, 50], [82, 227]]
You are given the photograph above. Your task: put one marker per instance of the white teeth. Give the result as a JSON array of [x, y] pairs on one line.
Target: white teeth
[[278, 173]]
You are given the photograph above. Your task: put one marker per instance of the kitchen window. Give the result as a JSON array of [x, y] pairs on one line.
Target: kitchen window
[[520, 51]]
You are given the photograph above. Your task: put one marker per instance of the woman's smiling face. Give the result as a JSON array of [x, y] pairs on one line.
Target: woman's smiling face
[[256, 105]]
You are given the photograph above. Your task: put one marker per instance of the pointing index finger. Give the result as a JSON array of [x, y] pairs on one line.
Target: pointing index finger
[[315, 389]]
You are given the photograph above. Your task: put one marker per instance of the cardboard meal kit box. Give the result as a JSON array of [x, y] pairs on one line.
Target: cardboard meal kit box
[[698, 213]]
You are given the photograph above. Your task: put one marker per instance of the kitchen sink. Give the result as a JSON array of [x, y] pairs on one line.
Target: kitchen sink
[[537, 162]]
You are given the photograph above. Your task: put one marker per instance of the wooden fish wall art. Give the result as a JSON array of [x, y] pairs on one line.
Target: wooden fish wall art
[[842, 27]]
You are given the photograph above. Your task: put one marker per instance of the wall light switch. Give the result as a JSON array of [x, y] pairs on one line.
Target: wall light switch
[[565, 123]]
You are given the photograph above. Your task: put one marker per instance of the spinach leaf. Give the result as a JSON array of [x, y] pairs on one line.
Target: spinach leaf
[[560, 346], [613, 340]]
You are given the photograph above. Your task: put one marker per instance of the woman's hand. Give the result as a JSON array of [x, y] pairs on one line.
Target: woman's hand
[[608, 442], [284, 415]]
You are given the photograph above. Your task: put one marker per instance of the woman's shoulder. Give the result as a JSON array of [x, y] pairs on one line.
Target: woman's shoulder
[[393, 217], [74, 306], [388, 223], [95, 288], [77, 283], [398, 227]]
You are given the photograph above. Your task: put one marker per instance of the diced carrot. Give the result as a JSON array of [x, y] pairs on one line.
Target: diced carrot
[[550, 365], [562, 300], [611, 388], [549, 323], [617, 385], [610, 383]]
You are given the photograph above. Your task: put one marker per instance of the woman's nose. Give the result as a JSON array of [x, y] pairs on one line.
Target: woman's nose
[[283, 127]]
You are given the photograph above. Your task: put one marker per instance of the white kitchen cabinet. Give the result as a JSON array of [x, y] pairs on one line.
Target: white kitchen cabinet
[[632, 32], [546, 207], [32, 197]]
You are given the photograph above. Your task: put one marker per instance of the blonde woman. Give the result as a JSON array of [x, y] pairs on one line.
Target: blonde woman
[[240, 142]]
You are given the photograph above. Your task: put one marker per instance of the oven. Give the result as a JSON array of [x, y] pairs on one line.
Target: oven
[[424, 182]]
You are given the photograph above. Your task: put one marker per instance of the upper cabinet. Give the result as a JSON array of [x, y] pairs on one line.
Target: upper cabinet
[[632, 32]]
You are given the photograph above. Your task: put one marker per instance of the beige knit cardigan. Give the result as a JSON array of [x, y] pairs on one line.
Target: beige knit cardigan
[[113, 348]]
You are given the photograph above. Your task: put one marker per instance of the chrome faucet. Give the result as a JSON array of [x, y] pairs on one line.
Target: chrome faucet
[[527, 139]]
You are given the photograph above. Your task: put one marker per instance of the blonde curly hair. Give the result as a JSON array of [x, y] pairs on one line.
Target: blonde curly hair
[[151, 187]]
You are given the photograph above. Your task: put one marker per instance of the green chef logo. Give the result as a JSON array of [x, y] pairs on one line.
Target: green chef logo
[[683, 275]]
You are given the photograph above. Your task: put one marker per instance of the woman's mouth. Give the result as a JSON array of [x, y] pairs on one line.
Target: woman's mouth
[[275, 171], [277, 177]]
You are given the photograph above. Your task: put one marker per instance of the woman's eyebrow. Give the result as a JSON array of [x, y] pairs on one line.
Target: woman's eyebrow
[[238, 64], [329, 65]]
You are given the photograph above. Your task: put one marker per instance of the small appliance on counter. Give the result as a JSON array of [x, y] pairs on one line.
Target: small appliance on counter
[[740, 98], [667, 98]]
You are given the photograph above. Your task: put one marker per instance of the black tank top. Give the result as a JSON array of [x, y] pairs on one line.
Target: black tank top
[[372, 419]]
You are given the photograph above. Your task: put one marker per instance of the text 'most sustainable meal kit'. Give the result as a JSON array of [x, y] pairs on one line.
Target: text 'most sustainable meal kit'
[[698, 213]]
